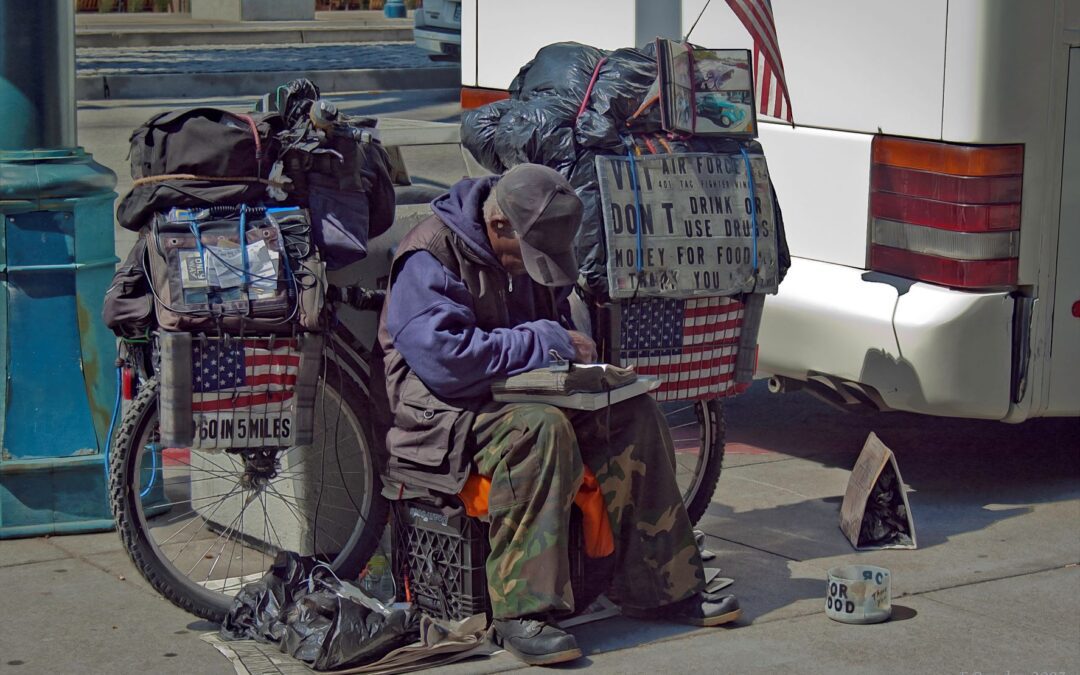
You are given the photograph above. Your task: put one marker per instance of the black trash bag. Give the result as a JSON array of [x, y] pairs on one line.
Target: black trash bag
[[561, 70], [339, 169], [621, 86], [258, 610], [478, 129], [541, 124], [337, 626], [589, 245], [549, 120], [314, 617], [885, 520], [540, 132]]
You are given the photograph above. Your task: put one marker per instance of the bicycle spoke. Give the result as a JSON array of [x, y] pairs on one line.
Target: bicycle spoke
[[180, 481], [189, 500], [273, 530], [695, 423], [223, 499], [266, 516], [224, 472], [314, 523], [322, 506], [321, 487], [242, 549], [219, 537], [205, 521], [670, 413]]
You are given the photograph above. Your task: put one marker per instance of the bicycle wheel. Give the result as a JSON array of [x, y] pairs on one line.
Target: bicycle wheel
[[697, 430], [200, 524]]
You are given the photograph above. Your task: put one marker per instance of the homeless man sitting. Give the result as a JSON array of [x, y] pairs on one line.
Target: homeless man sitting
[[474, 295]]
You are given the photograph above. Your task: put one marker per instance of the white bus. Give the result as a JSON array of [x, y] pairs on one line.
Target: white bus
[[930, 187]]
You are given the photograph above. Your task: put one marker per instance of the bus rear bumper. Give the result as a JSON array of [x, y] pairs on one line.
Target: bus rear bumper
[[908, 346]]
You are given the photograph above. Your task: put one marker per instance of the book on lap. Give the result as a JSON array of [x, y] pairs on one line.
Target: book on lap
[[582, 387]]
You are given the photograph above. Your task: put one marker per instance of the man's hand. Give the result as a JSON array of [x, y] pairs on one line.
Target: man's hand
[[584, 347]]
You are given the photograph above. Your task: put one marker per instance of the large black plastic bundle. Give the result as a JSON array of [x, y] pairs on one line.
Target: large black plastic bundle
[[541, 123], [553, 118], [313, 616]]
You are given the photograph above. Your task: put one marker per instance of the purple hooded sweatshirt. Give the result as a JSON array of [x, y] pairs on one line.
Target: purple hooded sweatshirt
[[431, 318]]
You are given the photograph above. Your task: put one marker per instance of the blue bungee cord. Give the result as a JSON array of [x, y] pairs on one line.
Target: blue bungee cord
[[112, 422], [243, 244], [154, 449], [753, 205], [112, 430], [637, 203]]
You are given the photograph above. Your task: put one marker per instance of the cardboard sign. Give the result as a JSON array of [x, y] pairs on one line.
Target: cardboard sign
[[684, 225], [872, 462], [244, 429]]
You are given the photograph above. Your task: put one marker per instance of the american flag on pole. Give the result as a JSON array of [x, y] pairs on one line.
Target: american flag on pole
[[240, 374], [691, 345], [772, 91]]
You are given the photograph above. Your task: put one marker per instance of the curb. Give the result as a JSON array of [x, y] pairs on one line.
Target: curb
[[204, 85], [195, 37]]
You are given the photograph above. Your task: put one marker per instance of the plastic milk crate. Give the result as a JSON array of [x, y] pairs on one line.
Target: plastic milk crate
[[439, 558]]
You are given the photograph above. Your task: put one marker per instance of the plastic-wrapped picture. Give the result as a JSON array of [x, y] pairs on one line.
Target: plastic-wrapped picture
[[719, 83]]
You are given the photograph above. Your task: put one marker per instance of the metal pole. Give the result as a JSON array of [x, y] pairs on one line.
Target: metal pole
[[57, 382], [37, 74]]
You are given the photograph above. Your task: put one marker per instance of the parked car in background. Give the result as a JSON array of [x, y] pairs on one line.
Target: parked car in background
[[437, 28]]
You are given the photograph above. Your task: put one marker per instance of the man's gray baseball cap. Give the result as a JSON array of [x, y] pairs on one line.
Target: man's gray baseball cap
[[545, 214]]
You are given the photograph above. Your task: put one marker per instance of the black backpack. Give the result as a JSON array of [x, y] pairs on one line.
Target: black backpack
[[213, 156], [205, 142], [340, 170]]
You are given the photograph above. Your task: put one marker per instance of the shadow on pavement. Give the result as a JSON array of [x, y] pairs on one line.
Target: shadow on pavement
[[948, 463], [774, 518]]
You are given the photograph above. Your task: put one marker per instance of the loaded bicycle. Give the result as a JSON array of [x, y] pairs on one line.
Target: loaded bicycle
[[200, 523]]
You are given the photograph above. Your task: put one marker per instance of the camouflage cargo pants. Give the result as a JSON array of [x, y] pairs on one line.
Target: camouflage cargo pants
[[534, 455]]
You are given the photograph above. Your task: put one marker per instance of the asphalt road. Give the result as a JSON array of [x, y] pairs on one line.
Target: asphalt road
[[247, 58], [993, 586]]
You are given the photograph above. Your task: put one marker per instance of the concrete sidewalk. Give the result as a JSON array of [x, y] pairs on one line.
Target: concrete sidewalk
[[144, 29], [992, 588]]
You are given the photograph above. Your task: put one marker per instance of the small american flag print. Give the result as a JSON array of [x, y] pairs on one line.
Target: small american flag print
[[691, 345], [240, 374]]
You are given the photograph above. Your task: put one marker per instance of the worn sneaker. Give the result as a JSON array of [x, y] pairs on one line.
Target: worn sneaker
[[535, 642], [703, 609]]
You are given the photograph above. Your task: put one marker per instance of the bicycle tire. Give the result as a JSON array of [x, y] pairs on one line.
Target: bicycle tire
[[132, 523], [702, 479]]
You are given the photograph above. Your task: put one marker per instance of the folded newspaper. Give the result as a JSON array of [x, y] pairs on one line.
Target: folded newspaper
[[590, 377], [584, 387]]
